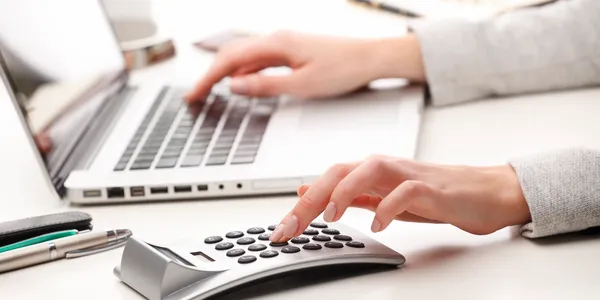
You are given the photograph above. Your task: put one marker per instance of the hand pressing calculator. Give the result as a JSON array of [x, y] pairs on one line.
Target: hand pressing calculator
[[202, 267]]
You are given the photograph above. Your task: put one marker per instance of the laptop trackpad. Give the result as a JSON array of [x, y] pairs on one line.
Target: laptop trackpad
[[363, 111]]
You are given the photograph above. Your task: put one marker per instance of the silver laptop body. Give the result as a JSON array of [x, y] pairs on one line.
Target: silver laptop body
[[114, 141]]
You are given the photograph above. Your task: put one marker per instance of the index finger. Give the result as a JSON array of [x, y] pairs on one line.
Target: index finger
[[231, 59], [311, 204]]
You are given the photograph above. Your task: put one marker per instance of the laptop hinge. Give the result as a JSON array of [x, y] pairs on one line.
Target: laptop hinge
[[88, 141]]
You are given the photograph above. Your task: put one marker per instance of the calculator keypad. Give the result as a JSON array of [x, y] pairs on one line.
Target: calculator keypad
[[252, 244], [330, 231], [224, 246], [246, 241], [264, 236], [290, 249], [234, 234], [321, 238], [334, 245], [255, 230], [273, 244], [246, 259], [311, 246], [269, 254], [299, 240], [213, 239], [311, 231], [235, 252], [257, 247]]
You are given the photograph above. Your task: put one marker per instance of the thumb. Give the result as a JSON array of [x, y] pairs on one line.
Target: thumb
[[256, 85]]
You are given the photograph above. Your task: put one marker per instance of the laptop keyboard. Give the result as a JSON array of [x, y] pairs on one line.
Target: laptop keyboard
[[220, 131]]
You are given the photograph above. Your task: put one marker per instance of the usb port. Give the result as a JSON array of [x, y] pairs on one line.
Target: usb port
[[203, 187], [159, 190], [115, 192], [183, 189], [92, 193], [137, 191]]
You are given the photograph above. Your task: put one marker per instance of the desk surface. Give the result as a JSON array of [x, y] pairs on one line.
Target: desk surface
[[443, 262]]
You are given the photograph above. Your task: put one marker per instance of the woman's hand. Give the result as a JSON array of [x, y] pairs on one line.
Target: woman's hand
[[321, 66], [479, 200]]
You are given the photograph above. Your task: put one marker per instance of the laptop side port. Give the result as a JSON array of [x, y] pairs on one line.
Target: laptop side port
[[137, 191], [115, 192], [203, 187], [182, 189], [159, 190], [92, 193]]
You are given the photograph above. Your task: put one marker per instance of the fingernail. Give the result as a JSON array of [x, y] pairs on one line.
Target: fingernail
[[291, 225], [277, 233], [329, 213], [376, 226], [238, 86]]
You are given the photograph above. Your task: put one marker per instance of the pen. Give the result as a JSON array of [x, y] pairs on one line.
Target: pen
[[386, 7], [38, 239], [67, 247]]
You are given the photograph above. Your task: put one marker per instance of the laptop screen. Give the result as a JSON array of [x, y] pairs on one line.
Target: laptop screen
[[57, 57]]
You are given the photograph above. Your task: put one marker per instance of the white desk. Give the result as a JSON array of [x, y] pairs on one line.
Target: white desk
[[443, 262]]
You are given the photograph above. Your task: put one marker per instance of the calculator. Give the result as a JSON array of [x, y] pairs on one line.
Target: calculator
[[202, 267]]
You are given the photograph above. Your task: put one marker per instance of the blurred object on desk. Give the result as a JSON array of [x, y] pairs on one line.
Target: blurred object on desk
[[470, 9], [141, 39]]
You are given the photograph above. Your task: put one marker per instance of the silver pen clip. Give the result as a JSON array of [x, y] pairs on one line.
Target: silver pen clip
[[119, 239]]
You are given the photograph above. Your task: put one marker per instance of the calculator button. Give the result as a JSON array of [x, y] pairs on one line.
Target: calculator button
[[255, 230], [257, 247], [300, 240], [318, 225], [335, 245], [311, 231], [311, 246], [341, 237], [213, 239], [290, 249], [224, 246], [247, 259], [246, 241], [330, 231], [234, 234], [272, 227], [321, 238], [272, 244], [264, 236], [235, 252], [355, 244], [269, 253]]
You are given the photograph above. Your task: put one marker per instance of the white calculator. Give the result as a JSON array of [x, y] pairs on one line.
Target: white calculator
[[209, 266]]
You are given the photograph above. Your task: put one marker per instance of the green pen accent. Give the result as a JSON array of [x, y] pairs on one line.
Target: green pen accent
[[39, 239]]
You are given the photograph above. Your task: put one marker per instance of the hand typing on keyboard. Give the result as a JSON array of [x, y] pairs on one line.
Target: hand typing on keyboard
[[321, 65], [479, 200]]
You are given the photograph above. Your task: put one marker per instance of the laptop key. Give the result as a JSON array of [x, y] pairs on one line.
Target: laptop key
[[140, 165], [165, 163], [192, 161], [216, 160], [194, 151], [237, 160], [120, 166], [170, 155]]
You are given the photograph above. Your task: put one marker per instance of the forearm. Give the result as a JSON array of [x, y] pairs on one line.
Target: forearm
[[562, 191], [542, 49]]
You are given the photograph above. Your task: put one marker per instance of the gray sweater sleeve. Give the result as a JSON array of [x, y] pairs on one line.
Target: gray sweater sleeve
[[553, 47], [562, 190], [532, 50]]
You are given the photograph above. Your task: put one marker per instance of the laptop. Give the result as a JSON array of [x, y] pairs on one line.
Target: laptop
[[103, 139]]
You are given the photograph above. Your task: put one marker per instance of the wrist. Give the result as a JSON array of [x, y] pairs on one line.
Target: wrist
[[513, 202], [396, 58]]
